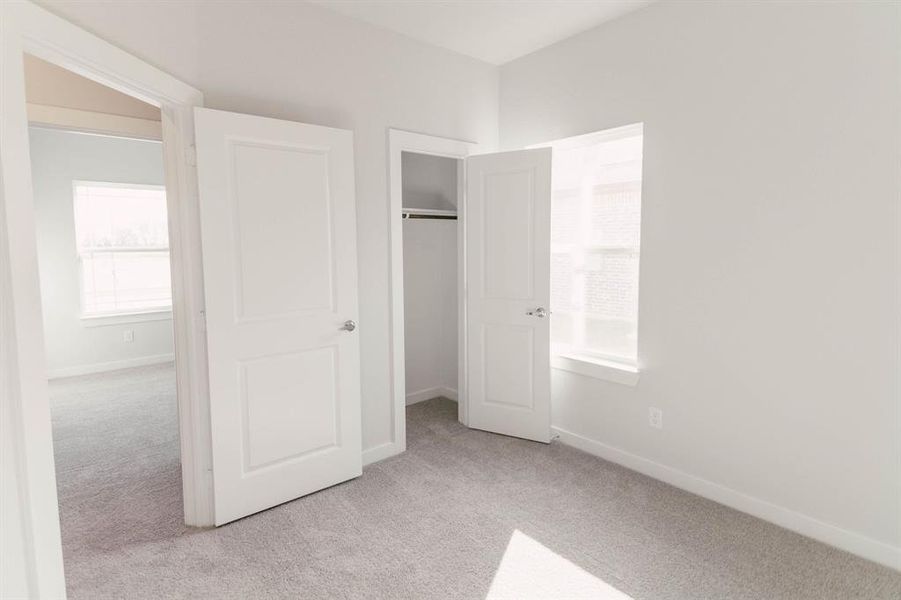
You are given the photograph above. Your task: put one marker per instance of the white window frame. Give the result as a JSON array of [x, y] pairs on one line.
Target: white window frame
[[116, 317], [599, 366]]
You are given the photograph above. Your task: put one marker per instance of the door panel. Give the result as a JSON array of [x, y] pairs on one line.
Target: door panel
[[508, 273], [507, 236], [279, 249], [290, 406], [509, 365], [291, 183]]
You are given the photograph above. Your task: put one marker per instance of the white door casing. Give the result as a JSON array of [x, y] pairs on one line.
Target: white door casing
[[508, 214], [27, 475], [278, 225]]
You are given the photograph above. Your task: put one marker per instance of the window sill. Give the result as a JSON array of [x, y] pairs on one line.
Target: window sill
[[124, 319], [605, 370]]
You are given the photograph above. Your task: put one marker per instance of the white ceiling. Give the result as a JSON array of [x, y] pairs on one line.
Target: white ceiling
[[495, 31]]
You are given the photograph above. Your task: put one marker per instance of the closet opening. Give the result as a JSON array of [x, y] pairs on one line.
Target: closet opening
[[103, 247], [427, 232], [430, 196]]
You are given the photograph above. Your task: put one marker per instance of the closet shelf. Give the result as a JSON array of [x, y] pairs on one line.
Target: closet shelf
[[427, 213]]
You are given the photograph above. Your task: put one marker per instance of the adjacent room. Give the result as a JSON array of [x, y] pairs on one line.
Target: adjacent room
[[106, 299], [387, 299]]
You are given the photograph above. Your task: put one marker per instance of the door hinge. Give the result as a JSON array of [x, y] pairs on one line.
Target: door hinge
[[201, 321], [191, 156]]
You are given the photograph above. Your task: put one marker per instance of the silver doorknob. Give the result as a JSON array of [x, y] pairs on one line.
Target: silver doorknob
[[349, 325], [538, 312]]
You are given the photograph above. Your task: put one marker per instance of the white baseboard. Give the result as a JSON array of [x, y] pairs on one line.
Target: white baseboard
[[843, 539], [142, 361], [381, 452], [432, 392]]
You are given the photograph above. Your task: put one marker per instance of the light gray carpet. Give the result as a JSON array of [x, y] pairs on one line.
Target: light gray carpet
[[436, 522]]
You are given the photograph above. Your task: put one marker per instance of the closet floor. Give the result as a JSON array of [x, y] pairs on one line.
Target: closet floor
[[462, 514]]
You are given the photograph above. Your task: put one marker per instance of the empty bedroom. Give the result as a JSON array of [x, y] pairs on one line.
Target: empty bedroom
[[441, 299]]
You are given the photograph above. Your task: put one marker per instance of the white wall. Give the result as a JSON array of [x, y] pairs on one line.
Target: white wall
[[301, 62], [58, 158], [430, 279], [430, 308], [429, 181], [769, 301]]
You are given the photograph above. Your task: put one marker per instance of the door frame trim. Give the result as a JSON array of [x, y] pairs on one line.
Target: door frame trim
[[400, 141], [29, 28]]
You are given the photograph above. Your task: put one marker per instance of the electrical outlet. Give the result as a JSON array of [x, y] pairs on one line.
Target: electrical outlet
[[128, 336], [655, 418]]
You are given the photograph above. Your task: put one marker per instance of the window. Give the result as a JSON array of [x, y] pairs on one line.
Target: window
[[123, 248], [595, 245]]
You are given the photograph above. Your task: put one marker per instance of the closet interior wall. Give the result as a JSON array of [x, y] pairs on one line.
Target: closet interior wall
[[430, 277]]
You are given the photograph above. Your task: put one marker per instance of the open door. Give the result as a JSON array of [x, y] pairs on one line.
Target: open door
[[508, 214], [280, 273]]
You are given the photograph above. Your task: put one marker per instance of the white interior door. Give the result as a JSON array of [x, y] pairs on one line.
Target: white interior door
[[280, 275], [508, 214]]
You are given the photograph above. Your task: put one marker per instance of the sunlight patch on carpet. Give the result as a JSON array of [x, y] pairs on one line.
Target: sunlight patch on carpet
[[529, 569]]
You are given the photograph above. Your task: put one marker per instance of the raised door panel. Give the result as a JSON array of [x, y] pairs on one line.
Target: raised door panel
[[283, 222], [508, 365], [507, 235], [290, 406]]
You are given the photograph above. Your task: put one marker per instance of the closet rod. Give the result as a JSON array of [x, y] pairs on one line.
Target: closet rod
[[420, 216]]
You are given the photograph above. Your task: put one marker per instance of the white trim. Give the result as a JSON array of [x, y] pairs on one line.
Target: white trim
[[125, 318], [25, 27], [115, 365], [462, 357], [598, 368], [593, 137], [117, 185], [398, 142], [432, 392], [86, 121], [827, 533], [380, 452]]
